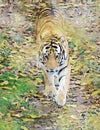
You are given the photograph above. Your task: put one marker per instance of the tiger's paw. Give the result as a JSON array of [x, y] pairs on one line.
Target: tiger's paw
[[46, 92], [50, 92], [60, 99]]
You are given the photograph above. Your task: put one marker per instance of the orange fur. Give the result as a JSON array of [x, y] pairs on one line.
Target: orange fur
[[46, 27]]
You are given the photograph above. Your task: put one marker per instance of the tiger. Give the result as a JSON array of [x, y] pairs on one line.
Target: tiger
[[53, 52]]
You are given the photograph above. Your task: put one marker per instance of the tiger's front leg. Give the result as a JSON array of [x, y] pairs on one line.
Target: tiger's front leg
[[64, 79], [50, 89]]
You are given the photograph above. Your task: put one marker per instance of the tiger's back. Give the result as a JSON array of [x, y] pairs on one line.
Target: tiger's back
[[49, 22]]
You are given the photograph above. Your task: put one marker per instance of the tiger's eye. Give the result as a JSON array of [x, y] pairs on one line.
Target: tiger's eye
[[47, 47]]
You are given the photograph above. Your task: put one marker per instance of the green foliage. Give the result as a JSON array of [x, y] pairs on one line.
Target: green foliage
[[5, 105], [1, 37], [11, 125], [4, 55], [81, 52], [13, 89], [71, 45], [96, 81]]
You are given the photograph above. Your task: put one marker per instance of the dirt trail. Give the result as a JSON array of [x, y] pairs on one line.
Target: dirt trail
[[74, 115]]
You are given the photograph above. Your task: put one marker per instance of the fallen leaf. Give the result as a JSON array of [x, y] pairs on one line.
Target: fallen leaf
[[1, 114], [24, 128], [33, 116], [39, 80], [5, 98], [5, 83], [95, 93], [5, 88], [17, 115]]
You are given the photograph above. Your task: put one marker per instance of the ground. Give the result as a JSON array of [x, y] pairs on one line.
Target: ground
[[22, 106]]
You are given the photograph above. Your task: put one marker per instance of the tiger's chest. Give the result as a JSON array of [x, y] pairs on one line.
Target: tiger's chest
[[56, 75]]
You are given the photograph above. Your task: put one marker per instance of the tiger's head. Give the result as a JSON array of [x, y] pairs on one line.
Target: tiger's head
[[53, 53]]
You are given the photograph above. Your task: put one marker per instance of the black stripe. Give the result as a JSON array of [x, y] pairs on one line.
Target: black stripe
[[44, 12], [61, 77], [62, 69], [57, 86], [55, 47], [52, 11]]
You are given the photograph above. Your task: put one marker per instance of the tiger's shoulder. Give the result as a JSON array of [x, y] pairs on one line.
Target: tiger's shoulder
[[49, 20]]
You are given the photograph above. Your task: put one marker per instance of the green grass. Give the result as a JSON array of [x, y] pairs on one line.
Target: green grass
[[14, 91], [11, 125]]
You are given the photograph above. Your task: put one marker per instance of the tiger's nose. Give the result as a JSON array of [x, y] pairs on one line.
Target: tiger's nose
[[52, 70]]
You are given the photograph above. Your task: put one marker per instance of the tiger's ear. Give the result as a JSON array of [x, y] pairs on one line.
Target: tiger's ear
[[62, 39]]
